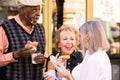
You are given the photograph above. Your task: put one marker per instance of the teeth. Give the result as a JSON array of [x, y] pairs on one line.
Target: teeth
[[68, 47]]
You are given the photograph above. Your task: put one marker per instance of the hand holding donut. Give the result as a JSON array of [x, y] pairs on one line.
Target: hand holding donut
[[33, 44]]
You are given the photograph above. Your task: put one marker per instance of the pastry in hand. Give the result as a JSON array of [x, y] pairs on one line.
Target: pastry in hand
[[33, 44], [65, 57]]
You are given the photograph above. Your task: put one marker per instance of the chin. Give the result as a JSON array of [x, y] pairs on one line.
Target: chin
[[34, 23], [69, 52]]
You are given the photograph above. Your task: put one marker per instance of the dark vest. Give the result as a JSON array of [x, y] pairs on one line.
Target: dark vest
[[17, 37]]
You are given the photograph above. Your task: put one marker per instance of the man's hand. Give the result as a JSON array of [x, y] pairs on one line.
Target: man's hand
[[39, 59], [24, 52]]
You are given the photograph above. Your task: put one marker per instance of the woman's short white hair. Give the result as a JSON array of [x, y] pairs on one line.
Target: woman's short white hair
[[97, 35]]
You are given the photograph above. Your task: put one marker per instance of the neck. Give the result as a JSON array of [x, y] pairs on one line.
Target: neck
[[25, 22]]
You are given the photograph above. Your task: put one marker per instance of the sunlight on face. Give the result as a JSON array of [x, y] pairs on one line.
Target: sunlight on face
[[67, 42]]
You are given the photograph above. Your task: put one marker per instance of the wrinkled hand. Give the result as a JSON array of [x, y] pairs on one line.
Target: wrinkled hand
[[24, 52], [61, 69], [63, 72], [39, 59], [50, 75]]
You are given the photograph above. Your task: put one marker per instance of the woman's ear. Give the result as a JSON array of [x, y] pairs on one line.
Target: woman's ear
[[87, 37]]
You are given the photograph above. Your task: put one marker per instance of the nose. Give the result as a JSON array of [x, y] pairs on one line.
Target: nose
[[38, 12], [68, 41]]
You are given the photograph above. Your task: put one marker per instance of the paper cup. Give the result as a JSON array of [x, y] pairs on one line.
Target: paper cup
[[33, 56]]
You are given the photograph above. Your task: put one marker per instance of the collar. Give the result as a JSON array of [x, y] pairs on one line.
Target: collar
[[17, 19], [75, 54]]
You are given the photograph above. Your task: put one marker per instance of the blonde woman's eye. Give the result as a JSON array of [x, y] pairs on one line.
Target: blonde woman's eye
[[64, 39], [72, 39]]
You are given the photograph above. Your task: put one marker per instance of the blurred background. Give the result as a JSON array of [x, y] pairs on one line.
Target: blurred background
[[76, 12]]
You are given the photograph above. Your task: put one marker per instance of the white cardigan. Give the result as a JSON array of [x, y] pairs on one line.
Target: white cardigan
[[94, 67]]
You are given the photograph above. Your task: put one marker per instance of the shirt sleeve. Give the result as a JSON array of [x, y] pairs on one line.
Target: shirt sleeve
[[4, 58]]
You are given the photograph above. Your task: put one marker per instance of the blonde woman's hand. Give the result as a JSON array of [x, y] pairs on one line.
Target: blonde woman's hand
[[50, 75]]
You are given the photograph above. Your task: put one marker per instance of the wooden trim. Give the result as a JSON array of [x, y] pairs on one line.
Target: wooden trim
[[47, 22], [89, 10]]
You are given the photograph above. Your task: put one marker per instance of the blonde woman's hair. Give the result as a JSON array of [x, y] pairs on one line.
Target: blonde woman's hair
[[66, 27], [98, 39]]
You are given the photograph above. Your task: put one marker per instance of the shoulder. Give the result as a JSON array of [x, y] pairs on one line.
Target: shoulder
[[8, 20], [99, 58], [77, 54], [100, 55], [5, 21], [40, 27], [8, 23]]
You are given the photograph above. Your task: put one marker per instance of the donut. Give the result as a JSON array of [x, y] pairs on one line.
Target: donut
[[65, 57], [33, 44]]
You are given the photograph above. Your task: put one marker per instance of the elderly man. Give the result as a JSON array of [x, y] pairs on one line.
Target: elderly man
[[15, 58]]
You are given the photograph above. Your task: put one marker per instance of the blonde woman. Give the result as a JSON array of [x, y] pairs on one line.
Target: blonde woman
[[66, 42], [96, 64]]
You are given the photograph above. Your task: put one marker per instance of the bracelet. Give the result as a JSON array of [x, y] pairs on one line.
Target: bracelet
[[14, 56]]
